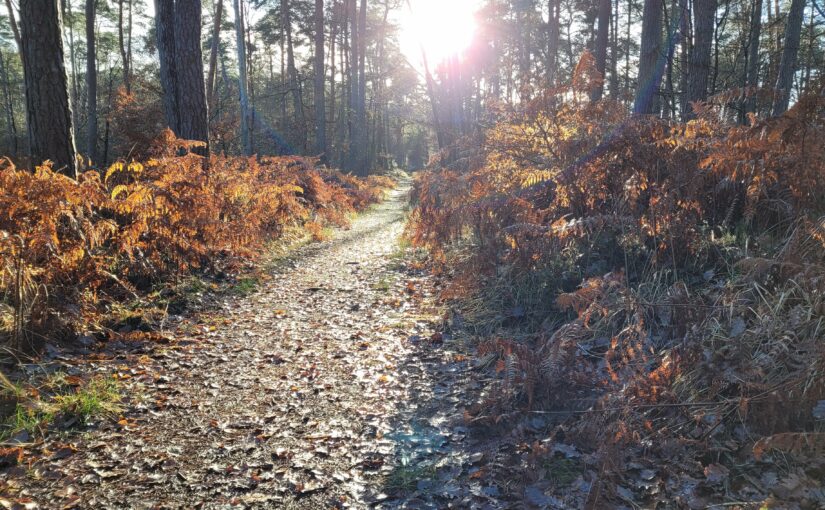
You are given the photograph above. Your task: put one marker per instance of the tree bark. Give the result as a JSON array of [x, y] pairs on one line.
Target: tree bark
[[600, 53], [614, 51], [125, 49], [790, 54], [332, 71], [165, 32], [704, 18], [213, 53], [91, 82], [651, 61], [49, 112], [752, 76], [352, 160], [294, 82], [361, 140], [75, 97], [320, 101], [194, 118], [552, 40], [14, 29], [9, 106], [243, 84]]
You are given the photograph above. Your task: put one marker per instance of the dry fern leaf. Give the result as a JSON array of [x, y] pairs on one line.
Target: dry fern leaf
[[799, 443]]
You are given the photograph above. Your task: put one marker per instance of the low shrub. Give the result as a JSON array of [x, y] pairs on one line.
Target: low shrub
[[68, 248], [662, 279]]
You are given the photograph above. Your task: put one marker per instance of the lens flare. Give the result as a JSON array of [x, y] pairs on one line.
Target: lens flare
[[442, 27]]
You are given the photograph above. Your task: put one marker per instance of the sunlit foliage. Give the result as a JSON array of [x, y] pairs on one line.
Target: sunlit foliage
[[658, 272], [69, 248]]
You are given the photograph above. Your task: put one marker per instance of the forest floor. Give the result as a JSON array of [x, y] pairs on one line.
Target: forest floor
[[326, 387]]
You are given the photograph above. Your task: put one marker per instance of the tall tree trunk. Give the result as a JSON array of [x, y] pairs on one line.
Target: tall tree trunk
[[14, 29], [294, 82], [704, 18], [684, 57], [352, 159], [602, 37], [91, 82], [614, 52], [243, 84], [193, 113], [284, 83], [75, 97], [553, 10], [651, 61], [9, 106], [790, 54], [320, 101], [213, 53], [523, 52], [106, 131], [47, 94], [250, 83], [165, 32], [361, 138], [332, 71], [752, 80], [125, 54]]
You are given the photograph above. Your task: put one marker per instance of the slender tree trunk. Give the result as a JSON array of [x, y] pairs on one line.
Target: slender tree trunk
[[439, 131], [47, 98], [251, 81], [361, 106], [75, 97], [108, 119], [553, 10], [684, 41], [11, 126], [193, 113], [320, 101], [294, 81], [602, 37], [523, 53], [672, 24], [91, 82], [627, 46], [790, 54], [651, 61], [614, 52], [752, 81], [332, 71], [129, 27], [284, 84], [213, 53], [243, 84], [344, 110], [14, 29], [352, 162], [125, 56], [717, 37], [165, 32]]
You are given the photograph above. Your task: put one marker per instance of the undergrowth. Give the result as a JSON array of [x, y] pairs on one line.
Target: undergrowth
[[72, 250], [661, 281]]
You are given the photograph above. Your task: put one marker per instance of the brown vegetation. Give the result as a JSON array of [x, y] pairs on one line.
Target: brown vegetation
[[70, 248], [662, 280]]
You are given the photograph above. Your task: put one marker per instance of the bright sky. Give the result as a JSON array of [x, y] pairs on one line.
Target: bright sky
[[443, 27]]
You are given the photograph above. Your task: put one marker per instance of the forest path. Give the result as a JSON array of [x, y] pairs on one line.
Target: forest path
[[320, 390]]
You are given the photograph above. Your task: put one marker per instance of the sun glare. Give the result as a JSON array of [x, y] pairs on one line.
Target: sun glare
[[442, 27]]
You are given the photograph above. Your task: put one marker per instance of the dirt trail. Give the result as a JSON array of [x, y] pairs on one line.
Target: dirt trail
[[320, 390]]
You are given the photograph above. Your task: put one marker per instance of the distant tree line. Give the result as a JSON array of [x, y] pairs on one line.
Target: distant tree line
[[328, 78]]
